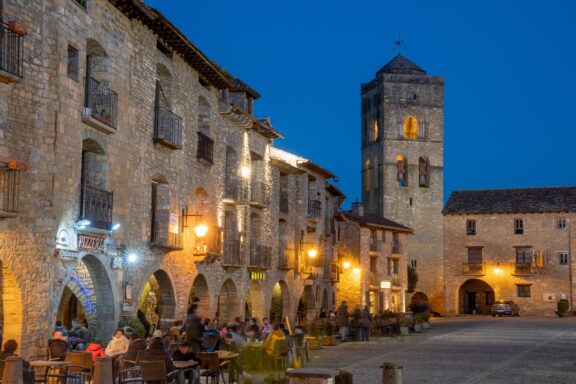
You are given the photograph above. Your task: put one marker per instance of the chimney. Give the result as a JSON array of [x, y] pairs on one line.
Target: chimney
[[357, 208]]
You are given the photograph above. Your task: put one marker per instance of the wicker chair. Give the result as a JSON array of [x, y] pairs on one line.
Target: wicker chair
[[57, 349], [210, 367]]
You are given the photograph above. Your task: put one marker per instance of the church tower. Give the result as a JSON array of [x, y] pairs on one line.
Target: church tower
[[402, 163]]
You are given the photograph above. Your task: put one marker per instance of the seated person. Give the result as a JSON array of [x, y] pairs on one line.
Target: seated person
[[10, 348], [185, 353], [78, 335], [96, 349], [60, 328], [276, 336], [252, 335], [57, 346], [230, 345], [156, 352], [118, 345], [234, 330]]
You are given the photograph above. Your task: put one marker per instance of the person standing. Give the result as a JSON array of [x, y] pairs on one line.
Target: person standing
[[343, 320], [194, 329], [365, 323]]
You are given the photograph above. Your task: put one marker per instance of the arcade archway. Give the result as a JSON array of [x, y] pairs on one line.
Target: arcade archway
[[200, 291], [158, 302], [475, 297], [307, 305], [227, 302], [11, 306], [254, 306], [280, 304]]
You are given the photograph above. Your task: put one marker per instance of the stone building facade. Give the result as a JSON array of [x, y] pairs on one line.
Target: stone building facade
[[402, 163], [371, 252], [509, 244], [134, 176]]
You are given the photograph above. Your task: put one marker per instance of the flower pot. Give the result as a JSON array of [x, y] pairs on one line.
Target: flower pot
[[17, 28], [329, 341], [418, 328], [426, 325], [403, 331], [314, 344]]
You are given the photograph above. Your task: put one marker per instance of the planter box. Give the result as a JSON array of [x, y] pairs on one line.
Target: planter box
[[329, 341], [403, 331], [17, 28], [314, 344]]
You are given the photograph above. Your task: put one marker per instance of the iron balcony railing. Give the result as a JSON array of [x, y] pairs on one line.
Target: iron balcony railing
[[101, 102], [168, 128], [473, 269], [523, 269], [314, 209], [286, 257], [234, 189], [96, 207], [396, 247], [205, 149], [9, 188], [11, 51], [284, 205], [232, 253], [395, 280], [163, 235], [374, 245], [260, 256], [258, 193]]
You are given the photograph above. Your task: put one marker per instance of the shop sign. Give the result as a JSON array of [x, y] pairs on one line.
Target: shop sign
[[91, 243], [257, 275], [117, 262], [67, 254]]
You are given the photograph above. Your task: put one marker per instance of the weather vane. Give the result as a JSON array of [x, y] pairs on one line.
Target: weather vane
[[399, 42]]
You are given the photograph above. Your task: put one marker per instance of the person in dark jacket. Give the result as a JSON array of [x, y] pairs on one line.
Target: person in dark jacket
[[156, 352], [194, 329], [365, 323], [10, 348], [343, 320]]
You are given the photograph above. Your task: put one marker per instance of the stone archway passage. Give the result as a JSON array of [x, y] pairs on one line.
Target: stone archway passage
[[255, 300], [420, 298], [201, 291], [475, 297], [11, 306], [228, 308], [90, 290], [280, 304], [158, 302]]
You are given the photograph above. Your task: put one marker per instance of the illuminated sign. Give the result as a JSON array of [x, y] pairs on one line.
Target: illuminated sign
[[91, 243], [258, 275]]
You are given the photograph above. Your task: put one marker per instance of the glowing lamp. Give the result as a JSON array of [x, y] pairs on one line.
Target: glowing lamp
[[84, 223], [200, 230], [116, 226], [312, 253], [132, 257], [357, 270], [245, 171], [346, 264], [497, 271]]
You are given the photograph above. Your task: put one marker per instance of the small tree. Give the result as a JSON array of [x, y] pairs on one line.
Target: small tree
[[134, 323], [412, 279]]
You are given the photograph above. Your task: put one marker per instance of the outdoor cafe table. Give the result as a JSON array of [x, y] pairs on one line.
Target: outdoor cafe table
[[47, 364], [182, 366], [227, 355]]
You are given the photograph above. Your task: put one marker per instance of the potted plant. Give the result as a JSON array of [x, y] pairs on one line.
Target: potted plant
[[426, 320], [314, 342], [404, 324], [563, 307], [418, 323], [329, 338], [17, 28]]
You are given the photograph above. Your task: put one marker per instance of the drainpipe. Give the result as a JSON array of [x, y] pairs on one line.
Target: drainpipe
[[570, 265]]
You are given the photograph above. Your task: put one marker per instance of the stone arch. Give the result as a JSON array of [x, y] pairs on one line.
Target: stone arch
[[158, 301], [201, 291], [165, 80], [97, 61], [254, 306], [307, 304], [227, 302], [11, 306], [420, 298], [280, 302], [402, 170], [475, 296]]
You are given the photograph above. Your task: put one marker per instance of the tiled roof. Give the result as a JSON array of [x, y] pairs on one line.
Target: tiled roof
[[402, 66], [369, 219], [522, 200]]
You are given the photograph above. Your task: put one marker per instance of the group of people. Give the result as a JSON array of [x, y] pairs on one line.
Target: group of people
[[359, 321]]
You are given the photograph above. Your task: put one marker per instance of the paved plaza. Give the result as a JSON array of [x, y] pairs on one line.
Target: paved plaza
[[466, 350]]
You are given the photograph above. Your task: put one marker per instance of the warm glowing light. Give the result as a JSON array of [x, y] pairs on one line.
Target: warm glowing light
[[312, 253], [497, 271], [385, 285], [245, 171], [200, 230], [132, 257], [346, 264], [357, 270]]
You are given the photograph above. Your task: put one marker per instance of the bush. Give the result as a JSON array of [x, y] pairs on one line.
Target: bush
[[412, 279], [563, 306], [134, 324], [404, 321]]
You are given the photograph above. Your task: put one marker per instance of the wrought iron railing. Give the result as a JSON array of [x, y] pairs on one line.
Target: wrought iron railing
[[11, 51], [205, 149], [314, 209], [168, 128], [9, 188], [232, 253], [260, 256], [258, 193], [284, 202], [96, 206], [163, 234], [286, 257], [374, 245], [473, 269], [523, 269], [396, 247], [101, 102], [396, 280], [234, 188]]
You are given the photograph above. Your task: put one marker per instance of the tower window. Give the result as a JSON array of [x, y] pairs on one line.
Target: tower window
[[471, 227], [561, 223], [518, 226], [414, 96], [375, 131], [563, 258], [401, 174], [410, 128], [424, 172]]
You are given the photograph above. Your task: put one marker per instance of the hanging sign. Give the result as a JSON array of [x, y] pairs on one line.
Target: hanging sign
[[91, 243], [174, 227]]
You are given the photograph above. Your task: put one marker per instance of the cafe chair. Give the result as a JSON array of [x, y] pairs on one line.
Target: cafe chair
[[57, 350], [130, 375], [281, 352], [210, 367], [155, 371]]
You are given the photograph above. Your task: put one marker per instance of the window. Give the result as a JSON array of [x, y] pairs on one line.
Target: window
[[413, 263], [81, 3], [383, 236], [471, 227], [374, 264], [73, 62], [424, 172], [561, 223], [524, 256], [475, 255], [523, 290], [401, 174], [563, 258], [410, 128], [375, 131], [518, 226], [393, 267]]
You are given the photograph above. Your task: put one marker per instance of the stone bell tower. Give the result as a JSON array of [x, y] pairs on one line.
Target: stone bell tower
[[402, 163]]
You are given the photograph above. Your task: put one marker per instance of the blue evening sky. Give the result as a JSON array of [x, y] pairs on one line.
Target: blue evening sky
[[509, 68]]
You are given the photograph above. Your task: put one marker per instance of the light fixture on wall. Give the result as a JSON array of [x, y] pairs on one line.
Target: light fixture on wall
[[200, 230], [132, 258], [357, 270], [346, 265], [116, 226], [385, 284], [245, 171], [312, 253]]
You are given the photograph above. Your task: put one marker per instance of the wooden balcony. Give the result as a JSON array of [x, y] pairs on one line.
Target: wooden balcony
[[234, 190], [232, 254], [286, 257], [260, 256]]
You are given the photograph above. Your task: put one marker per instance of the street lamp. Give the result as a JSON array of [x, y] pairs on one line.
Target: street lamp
[[200, 230], [245, 171], [346, 265], [312, 253]]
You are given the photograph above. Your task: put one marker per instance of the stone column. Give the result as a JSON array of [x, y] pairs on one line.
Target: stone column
[[13, 371], [391, 373], [103, 370]]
